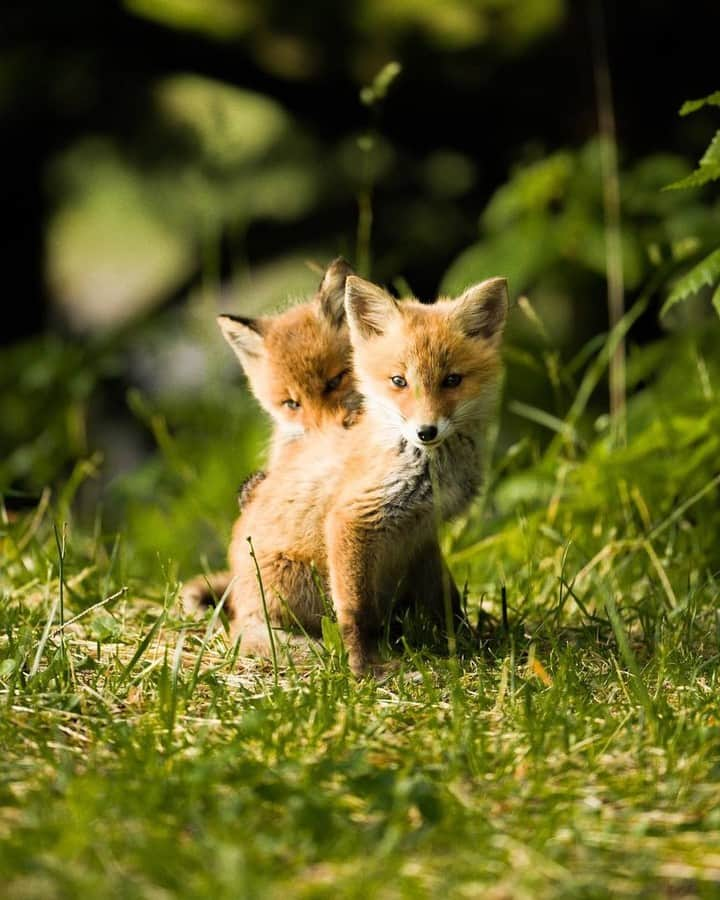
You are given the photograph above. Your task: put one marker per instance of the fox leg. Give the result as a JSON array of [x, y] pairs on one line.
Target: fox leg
[[285, 594], [430, 586], [255, 640], [429, 599], [352, 586]]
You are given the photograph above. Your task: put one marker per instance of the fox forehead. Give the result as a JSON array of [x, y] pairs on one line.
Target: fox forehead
[[304, 352], [427, 342]]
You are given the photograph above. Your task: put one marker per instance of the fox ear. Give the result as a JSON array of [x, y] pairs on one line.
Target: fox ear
[[369, 308], [482, 309], [331, 292], [245, 336]]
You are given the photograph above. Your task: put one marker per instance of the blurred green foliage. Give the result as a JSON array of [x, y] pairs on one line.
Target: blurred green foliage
[[46, 386], [217, 18], [545, 227], [111, 251], [458, 23], [170, 192], [128, 233], [705, 273]]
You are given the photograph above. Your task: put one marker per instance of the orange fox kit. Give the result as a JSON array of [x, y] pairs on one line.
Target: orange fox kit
[[355, 511], [298, 364]]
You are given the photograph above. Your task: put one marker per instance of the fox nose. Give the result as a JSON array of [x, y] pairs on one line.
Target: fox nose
[[427, 433]]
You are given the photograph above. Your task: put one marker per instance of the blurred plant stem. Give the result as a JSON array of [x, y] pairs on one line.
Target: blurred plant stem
[[612, 211], [210, 271], [371, 95], [365, 215]]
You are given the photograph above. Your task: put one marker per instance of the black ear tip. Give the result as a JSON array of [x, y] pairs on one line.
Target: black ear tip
[[337, 271], [225, 320], [500, 283], [331, 292], [503, 283], [496, 282], [491, 289]]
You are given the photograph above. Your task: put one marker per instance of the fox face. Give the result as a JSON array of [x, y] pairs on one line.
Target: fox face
[[298, 363], [427, 370]]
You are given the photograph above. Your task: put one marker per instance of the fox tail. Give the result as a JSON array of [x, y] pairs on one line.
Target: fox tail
[[203, 592]]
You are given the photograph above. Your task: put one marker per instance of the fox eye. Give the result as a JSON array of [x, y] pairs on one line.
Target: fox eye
[[452, 380], [334, 383], [291, 404], [399, 381]]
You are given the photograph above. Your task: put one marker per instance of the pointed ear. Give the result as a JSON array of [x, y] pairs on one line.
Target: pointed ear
[[369, 308], [331, 291], [482, 309], [245, 336]]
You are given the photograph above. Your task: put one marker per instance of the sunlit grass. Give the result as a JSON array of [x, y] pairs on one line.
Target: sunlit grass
[[576, 753]]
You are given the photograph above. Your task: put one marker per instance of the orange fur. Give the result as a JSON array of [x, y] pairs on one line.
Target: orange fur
[[352, 514], [298, 362]]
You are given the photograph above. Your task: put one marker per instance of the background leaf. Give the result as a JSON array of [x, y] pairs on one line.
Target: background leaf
[[706, 272], [690, 106]]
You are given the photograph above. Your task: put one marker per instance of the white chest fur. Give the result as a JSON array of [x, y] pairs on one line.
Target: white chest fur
[[432, 482]]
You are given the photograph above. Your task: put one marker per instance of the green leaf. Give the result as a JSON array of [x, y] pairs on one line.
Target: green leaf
[[530, 191], [541, 417], [331, 636], [711, 157], [105, 628], [7, 667], [716, 300], [218, 19], [708, 170], [584, 242], [690, 106], [376, 91], [520, 254], [707, 271], [141, 648]]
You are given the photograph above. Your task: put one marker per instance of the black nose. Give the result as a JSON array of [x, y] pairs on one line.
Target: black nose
[[427, 433]]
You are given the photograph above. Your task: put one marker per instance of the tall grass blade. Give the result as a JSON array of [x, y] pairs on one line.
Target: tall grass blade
[[271, 636]]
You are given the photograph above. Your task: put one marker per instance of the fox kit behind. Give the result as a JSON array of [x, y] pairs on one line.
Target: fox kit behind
[[298, 364], [357, 511]]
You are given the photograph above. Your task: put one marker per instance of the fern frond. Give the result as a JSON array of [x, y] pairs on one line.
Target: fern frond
[[708, 170], [716, 300], [707, 271], [690, 106]]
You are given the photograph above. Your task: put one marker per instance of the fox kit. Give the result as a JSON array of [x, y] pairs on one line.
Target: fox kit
[[298, 364], [352, 512]]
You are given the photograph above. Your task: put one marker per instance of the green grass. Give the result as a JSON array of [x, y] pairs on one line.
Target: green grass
[[576, 755]]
